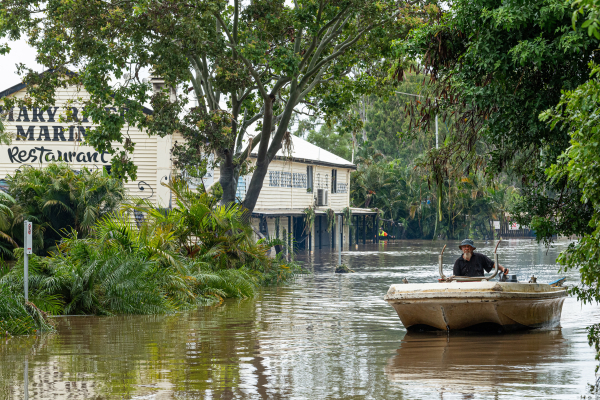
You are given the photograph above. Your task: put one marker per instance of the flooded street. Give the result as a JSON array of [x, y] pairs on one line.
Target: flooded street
[[326, 336]]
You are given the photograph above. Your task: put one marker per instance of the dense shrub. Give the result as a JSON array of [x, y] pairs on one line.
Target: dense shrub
[[18, 317], [196, 253], [56, 198]]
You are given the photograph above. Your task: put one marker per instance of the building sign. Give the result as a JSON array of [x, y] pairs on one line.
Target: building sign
[[513, 226], [39, 138], [58, 134], [496, 224], [41, 154]]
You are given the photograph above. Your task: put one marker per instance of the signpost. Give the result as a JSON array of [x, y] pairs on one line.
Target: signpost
[[340, 241], [27, 246]]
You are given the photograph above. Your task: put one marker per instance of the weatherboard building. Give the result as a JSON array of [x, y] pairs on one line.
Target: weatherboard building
[[308, 177]]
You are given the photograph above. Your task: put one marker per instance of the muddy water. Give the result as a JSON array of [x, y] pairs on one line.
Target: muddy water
[[326, 336]]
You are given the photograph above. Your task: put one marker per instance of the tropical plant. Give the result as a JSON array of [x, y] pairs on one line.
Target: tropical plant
[[310, 219], [18, 317], [57, 199], [7, 243], [493, 68]]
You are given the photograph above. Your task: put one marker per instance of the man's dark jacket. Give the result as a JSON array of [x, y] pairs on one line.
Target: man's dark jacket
[[474, 267]]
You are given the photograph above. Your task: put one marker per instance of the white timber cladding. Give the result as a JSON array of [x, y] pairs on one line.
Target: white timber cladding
[[284, 186], [46, 140]]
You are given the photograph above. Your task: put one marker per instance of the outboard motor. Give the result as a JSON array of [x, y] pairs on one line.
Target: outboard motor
[[508, 278]]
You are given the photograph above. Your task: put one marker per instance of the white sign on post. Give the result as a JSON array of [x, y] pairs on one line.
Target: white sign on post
[[29, 239], [27, 247]]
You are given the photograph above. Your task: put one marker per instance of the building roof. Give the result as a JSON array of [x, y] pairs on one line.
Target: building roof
[[305, 152]]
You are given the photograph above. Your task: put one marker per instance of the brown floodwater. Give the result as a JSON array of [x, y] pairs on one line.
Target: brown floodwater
[[325, 336]]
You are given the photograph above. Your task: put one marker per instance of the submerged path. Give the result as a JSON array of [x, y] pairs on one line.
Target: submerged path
[[326, 336]]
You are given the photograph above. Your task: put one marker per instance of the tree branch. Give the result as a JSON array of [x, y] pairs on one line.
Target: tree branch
[[313, 44], [341, 50], [279, 84], [312, 85], [203, 68], [252, 120], [251, 146], [236, 5], [198, 89], [240, 136], [253, 72], [332, 32]]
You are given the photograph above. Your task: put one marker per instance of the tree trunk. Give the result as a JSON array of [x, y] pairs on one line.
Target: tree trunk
[[228, 178], [262, 161]]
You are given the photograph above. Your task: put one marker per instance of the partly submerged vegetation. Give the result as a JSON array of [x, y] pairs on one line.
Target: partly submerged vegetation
[[196, 253]]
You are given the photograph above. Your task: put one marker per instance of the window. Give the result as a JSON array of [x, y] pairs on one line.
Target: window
[[309, 178], [240, 192], [334, 181]]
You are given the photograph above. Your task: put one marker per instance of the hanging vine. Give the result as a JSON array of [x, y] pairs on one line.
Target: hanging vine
[[330, 220], [348, 218], [310, 219], [347, 214]]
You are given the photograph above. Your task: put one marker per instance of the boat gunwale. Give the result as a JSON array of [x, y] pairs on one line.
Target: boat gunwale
[[475, 294]]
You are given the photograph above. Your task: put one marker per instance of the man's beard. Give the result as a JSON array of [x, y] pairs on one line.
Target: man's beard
[[467, 255]]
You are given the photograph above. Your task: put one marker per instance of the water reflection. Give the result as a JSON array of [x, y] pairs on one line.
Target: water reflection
[[325, 336], [26, 380], [478, 363]]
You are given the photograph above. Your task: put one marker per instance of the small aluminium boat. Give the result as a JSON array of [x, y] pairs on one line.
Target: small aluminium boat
[[477, 303]]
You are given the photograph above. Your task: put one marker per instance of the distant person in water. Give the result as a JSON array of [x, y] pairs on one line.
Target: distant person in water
[[471, 263]]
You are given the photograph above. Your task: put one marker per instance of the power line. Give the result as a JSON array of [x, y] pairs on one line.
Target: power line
[[410, 94]]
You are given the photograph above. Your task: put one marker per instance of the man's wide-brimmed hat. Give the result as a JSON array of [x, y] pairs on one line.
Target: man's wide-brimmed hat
[[467, 242]]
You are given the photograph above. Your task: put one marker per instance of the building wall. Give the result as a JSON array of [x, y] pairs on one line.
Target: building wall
[[51, 138], [284, 186]]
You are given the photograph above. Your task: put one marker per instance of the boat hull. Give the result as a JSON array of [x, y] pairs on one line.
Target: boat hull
[[455, 306]]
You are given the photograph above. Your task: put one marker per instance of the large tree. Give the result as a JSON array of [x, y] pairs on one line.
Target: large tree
[[246, 63], [496, 66]]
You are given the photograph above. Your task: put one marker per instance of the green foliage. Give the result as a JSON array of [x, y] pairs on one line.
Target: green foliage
[[330, 219], [196, 253], [495, 66], [57, 199], [403, 194], [347, 215], [310, 218], [18, 317], [579, 110], [591, 10], [263, 60]]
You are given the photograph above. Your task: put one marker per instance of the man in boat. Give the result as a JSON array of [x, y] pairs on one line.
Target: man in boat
[[471, 263]]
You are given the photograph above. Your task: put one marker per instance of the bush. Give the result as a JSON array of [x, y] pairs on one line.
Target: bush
[[57, 199], [196, 253], [18, 317]]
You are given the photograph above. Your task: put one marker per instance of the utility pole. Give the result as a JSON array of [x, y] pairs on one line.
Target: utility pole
[[436, 133]]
